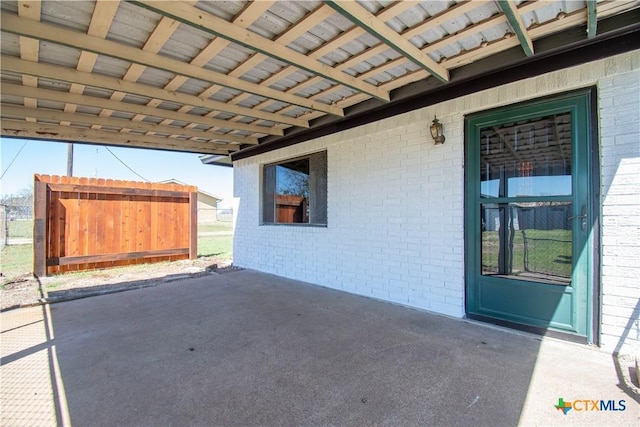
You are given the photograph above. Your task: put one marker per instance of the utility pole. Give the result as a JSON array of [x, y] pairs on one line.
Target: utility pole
[[70, 159]]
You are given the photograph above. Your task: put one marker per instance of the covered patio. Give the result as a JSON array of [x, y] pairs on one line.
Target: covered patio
[[248, 348]]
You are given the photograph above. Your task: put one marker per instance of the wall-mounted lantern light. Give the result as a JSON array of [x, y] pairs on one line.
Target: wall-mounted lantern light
[[437, 131]]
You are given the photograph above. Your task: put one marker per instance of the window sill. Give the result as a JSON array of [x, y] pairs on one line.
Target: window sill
[[293, 224]]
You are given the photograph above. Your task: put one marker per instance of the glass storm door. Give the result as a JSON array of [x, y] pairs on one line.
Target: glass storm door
[[528, 239]]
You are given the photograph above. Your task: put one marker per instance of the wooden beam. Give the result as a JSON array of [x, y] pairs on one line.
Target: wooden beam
[[122, 191], [193, 225], [515, 20], [83, 259], [244, 19], [90, 101], [387, 13], [61, 116], [89, 136], [210, 23], [56, 34], [30, 48], [378, 28], [56, 72], [592, 18]]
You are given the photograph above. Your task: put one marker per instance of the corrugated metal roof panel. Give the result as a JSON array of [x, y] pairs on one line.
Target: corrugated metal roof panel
[[117, 114], [132, 25], [185, 43], [9, 5], [54, 85], [52, 53], [155, 77], [50, 104], [97, 92], [139, 100], [226, 10], [225, 94], [193, 87], [10, 77], [111, 66], [74, 15], [10, 44]]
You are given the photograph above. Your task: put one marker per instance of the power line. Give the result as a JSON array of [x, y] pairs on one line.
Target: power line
[[125, 165], [14, 159]]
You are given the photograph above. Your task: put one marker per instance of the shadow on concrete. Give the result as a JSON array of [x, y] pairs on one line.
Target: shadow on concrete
[[626, 380], [255, 349]]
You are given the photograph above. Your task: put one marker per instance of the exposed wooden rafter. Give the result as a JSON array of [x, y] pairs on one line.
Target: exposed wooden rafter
[[172, 131], [103, 14], [19, 129], [592, 18], [177, 79], [29, 47], [515, 20], [376, 27], [55, 34], [108, 104], [202, 20], [56, 72]]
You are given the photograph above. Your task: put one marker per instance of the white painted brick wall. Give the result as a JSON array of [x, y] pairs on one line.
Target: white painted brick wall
[[619, 110], [395, 203]]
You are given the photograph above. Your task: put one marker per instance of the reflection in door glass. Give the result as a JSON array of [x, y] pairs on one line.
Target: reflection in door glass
[[528, 240], [527, 158]]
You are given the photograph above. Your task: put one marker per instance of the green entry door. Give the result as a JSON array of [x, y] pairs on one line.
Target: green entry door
[[529, 215]]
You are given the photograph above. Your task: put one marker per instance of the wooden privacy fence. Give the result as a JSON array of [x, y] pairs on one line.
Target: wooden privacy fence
[[88, 223]]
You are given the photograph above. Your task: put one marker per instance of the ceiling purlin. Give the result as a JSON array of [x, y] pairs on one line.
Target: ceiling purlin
[[55, 72], [29, 47], [387, 13], [56, 34], [463, 58], [109, 104], [292, 33], [39, 113], [592, 19], [246, 17], [469, 56], [378, 28], [103, 14], [92, 136], [515, 20], [212, 24]]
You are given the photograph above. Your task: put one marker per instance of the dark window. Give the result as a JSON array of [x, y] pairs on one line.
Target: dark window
[[295, 191]]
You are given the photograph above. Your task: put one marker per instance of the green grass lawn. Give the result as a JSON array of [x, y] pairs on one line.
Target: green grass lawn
[[215, 226], [17, 260], [221, 246], [548, 252], [20, 229]]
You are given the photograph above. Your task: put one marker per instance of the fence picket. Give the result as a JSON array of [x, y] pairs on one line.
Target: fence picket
[[83, 227]]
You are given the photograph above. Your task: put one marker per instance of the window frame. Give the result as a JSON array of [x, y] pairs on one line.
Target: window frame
[[323, 184]]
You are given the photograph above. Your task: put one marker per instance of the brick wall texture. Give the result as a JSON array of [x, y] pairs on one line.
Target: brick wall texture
[[395, 203]]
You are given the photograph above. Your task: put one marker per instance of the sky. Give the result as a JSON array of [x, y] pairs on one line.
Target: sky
[[94, 161]]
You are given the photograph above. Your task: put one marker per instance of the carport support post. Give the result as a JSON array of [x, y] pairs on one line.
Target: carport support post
[[39, 228], [193, 225]]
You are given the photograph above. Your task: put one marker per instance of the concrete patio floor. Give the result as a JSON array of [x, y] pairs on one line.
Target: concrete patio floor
[[247, 348]]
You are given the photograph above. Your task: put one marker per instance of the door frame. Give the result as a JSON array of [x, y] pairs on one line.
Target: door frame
[[593, 291]]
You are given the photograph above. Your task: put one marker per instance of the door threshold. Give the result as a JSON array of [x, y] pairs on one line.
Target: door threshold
[[535, 330]]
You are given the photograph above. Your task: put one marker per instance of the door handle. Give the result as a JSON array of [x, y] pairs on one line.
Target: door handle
[[583, 216]]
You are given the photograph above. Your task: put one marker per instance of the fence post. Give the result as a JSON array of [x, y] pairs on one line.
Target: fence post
[[4, 226], [39, 228], [193, 225]]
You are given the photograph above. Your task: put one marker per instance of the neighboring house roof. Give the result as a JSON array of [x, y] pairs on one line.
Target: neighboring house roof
[[204, 193]]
